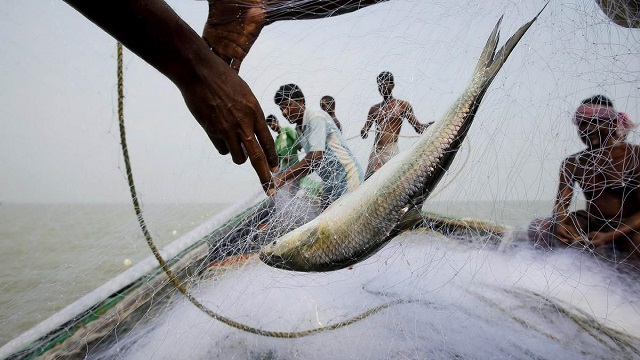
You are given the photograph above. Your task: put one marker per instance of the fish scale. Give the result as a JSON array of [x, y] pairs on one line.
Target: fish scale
[[361, 222]]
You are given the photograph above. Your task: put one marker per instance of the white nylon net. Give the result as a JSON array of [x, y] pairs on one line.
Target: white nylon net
[[68, 226]]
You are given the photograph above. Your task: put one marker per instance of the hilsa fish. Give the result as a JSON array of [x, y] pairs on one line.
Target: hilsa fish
[[363, 221]]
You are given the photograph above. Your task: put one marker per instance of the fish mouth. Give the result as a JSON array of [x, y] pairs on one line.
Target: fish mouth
[[276, 261]]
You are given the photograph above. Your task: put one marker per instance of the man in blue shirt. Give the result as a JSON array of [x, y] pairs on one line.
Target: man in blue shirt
[[327, 152]]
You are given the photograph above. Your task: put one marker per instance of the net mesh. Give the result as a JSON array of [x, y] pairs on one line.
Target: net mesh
[[481, 290]]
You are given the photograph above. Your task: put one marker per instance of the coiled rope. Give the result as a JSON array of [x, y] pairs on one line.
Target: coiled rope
[[174, 280]]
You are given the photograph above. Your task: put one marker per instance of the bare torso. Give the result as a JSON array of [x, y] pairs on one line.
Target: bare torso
[[388, 119], [610, 181]]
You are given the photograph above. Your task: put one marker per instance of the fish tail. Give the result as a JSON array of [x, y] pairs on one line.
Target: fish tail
[[488, 53], [491, 61]]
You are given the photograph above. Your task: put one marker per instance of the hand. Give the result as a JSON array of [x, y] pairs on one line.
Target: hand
[[277, 182], [232, 27], [230, 114], [220, 101], [598, 238], [363, 133], [567, 234], [423, 127]]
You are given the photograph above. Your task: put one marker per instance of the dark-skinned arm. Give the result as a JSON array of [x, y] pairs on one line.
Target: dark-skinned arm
[[368, 123], [563, 227], [628, 226], [411, 117], [220, 101], [233, 27], [338, 125], [278, 10], [303, 168]]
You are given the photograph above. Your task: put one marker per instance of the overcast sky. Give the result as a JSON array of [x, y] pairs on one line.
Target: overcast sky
[[59, 140]]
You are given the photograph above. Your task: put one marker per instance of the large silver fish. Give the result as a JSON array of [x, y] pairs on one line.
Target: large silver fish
[[361, 222]]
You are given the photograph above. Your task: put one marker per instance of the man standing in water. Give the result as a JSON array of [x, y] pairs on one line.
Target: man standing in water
[[327, 152], [608, 172], [328, 105], [387, 116]]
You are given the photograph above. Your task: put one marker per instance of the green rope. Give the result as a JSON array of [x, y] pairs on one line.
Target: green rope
[[167, 270]]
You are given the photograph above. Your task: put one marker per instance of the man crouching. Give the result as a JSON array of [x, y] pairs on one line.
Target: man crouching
[[608, 172], [326, 150]]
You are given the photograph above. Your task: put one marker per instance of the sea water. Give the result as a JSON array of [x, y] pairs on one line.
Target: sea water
[[53, 254]]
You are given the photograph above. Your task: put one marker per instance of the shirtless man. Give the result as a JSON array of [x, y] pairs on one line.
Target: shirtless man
[[388, 117], [328, 105], [217, 97], [608, 172]]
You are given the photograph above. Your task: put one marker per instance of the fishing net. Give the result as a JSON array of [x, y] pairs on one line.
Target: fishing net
[[463, 282]]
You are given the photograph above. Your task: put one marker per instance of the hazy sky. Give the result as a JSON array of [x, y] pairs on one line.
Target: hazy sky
[[59, 140]]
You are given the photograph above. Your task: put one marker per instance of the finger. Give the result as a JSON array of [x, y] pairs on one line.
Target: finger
[[236, 149], [229, 43], [220, 144], [230, 48], [259, 163], [235, 64], [267, 144], [227, 59], [228, 51]]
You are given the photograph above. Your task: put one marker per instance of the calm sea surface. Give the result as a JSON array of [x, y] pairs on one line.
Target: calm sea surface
[[52, 254]]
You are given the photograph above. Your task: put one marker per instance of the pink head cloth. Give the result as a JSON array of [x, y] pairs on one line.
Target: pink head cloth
[[625, 125], [624, 122], [586, 112]]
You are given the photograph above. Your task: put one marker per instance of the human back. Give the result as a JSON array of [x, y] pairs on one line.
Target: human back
[[338, 165]]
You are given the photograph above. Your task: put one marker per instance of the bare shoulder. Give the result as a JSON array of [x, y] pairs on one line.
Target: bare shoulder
[[626, 150], [571, 162], [375, 108], [406, 107], [632, 149], [405, 103], [630, 153], [402, 104]]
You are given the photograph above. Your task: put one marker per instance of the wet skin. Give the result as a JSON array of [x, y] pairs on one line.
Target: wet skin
[[205, 69], [608, 172]]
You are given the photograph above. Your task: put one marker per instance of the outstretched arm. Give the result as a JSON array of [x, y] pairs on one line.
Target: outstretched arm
[[301, 169], [220, 101], [411, 117], [234, 25], [277, 10]]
